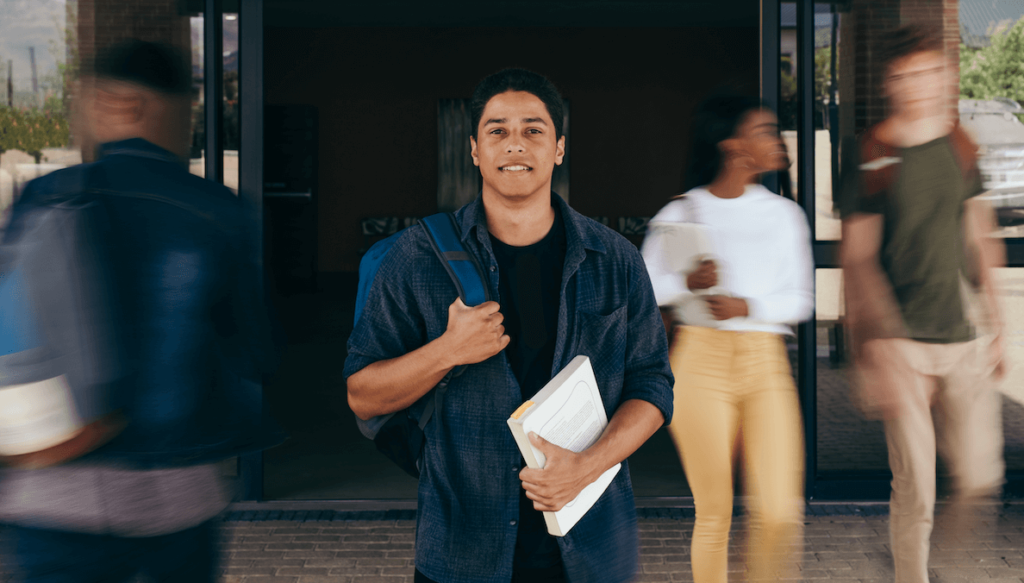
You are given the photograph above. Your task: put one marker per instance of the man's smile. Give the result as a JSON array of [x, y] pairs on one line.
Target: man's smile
[[515, 168]]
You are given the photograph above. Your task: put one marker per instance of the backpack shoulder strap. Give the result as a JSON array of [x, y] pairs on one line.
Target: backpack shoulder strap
[[879, 164], [965, 151], [446, 239]]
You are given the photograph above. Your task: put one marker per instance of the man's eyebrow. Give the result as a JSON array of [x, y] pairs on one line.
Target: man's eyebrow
[[500, 120], [766, 125]]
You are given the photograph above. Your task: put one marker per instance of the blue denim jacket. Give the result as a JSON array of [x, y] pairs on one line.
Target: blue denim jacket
[[193, 339], [469, 488]]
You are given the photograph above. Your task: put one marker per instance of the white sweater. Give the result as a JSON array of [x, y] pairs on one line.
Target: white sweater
[[762, 249]]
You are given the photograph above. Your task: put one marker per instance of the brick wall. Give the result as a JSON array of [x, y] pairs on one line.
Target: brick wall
[[870, 21], [103, 22]]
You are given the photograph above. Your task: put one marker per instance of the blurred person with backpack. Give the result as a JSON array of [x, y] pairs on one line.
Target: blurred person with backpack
[[144, 330], [917, 242], [562, 285]]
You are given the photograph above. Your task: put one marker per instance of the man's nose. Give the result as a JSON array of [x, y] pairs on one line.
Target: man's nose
[[515, 145]]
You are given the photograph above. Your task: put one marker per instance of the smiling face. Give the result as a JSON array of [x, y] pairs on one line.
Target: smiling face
[[516, 149]]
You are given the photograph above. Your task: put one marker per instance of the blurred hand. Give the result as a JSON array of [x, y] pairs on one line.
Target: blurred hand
[[704, 277], [997, 353], [474, 334], [725, 307], [886, 376]]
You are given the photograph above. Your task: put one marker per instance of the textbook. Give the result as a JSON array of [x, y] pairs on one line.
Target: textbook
[[569, 413], [686, 245]]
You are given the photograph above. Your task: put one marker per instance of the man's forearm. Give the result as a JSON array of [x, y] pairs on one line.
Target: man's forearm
[[632, 424], [871, 307], [391, 385], [872, 310]]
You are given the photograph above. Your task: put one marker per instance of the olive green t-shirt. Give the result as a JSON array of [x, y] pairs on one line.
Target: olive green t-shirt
[[922, 251]]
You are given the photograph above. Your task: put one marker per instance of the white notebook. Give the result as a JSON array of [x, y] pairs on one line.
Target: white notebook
[[569, 413], [685, 246]]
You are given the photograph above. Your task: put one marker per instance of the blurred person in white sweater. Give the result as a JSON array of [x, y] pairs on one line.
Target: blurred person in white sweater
[[728, 310]]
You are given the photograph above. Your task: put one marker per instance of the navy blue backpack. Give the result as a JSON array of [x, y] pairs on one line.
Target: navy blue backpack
[[400, 435]]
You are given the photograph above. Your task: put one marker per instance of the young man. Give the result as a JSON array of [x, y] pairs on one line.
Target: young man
[[564, 286], [190, 324], [914, 229]]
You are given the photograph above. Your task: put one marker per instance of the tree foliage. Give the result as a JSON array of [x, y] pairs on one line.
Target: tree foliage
[[31, 130], [996, 70]]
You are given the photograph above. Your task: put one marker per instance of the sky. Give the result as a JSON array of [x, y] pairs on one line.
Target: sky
[[25, 23]]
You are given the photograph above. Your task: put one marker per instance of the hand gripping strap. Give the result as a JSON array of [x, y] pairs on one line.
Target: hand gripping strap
[[446, 239]]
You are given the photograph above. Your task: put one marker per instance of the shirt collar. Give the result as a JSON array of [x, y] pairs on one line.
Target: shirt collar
[[580, 232], [137, 147]]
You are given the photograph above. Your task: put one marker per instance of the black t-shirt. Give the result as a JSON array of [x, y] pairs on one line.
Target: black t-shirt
[[529, 288], [529, 285]]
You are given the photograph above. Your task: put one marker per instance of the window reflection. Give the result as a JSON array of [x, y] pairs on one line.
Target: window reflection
[[991, 111], [39, 66]]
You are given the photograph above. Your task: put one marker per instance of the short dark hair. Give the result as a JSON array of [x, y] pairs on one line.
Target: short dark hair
[[908, 40], [518, 80], [717, 118], [156, 66]]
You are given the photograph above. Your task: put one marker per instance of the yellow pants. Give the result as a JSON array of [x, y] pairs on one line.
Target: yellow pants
[[730, 384]]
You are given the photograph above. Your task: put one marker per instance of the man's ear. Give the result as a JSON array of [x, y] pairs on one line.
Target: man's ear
[[472, 151], [119, 108], [559, 151]]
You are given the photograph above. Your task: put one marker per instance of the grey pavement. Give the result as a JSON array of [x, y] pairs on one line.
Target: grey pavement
[[850, 548]]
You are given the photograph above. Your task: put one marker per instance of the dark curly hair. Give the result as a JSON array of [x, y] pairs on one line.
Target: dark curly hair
[[716, 119], [518, 80], [152, 65]]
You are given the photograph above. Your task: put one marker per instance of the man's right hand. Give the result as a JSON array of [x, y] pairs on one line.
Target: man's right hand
[[704, 277], [474, 334]]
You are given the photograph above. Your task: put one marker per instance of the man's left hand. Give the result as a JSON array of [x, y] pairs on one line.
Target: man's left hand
[[725, 307], [563, 477]]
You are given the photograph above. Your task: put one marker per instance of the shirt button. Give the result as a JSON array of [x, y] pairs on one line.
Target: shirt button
[[515, 469], [512, 522], [493, 268]]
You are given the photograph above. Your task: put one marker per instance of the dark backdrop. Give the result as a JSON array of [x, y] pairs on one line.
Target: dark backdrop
[[632, 92]]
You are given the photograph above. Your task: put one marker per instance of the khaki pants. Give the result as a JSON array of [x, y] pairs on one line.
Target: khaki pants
[[953, 380], [729, 383]]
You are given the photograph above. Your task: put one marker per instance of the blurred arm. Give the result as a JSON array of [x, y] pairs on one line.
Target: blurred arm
[[871, 308], [989, 253]]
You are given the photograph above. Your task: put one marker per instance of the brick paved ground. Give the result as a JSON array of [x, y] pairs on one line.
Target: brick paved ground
[[837, 548]]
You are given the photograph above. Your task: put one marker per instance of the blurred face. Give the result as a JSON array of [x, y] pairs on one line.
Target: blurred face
[[515, 148], [112, 110], [758, 143], [919, 85]]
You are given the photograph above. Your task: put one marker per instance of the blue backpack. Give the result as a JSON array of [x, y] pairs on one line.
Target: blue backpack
[[400, 436]]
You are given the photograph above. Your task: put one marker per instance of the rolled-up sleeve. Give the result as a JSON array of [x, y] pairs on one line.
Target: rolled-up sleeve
[[648, 375], [391, 324]]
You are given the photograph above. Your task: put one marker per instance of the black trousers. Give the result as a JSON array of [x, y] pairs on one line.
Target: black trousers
[[51, 556], [555, 575]]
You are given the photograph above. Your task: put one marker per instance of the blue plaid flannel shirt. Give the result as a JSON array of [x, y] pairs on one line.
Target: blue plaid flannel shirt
[[468, 502]]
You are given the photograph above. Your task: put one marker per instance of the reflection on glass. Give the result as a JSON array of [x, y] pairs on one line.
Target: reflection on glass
[[827, 136], [846, 440], [38, 69], [990, 110], [197, 160], [231, 101]]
